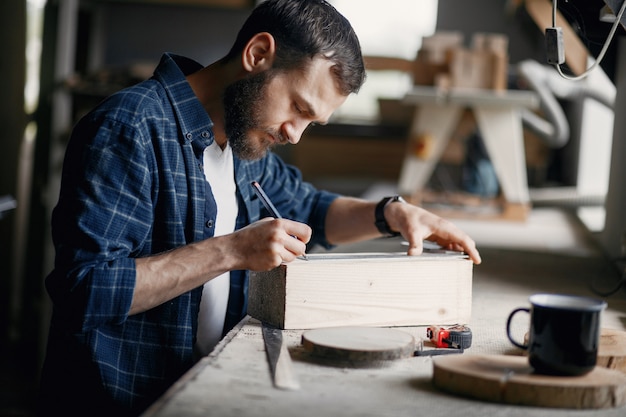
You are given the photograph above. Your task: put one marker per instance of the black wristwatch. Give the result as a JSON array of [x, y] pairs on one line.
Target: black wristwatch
[[379, 215]]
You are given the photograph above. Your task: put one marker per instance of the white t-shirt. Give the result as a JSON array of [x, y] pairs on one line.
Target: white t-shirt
[[219, 172]]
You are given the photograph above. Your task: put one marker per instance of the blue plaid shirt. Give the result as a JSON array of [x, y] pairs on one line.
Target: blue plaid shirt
[[132, 187]]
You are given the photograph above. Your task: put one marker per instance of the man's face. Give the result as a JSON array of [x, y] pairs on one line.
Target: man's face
[[274, 108]]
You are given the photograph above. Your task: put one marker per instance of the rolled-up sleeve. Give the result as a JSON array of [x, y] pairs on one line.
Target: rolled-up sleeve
[[101, 222]]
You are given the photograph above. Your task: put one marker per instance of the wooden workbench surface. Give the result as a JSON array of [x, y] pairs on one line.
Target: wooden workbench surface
[[235, 379]]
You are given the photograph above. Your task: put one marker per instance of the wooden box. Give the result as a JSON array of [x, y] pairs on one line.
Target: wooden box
[[364, 289]]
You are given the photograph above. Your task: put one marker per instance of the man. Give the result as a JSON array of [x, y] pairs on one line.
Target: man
[[157, 223]]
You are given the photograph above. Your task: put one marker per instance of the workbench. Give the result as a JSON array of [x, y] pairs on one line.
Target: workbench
[[234, 380]]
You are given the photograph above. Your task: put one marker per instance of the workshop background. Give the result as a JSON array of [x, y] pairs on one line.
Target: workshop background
[[60, 57]]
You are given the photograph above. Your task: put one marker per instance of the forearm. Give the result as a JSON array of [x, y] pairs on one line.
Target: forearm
[[349, 220], [165, 276], [257, 247]]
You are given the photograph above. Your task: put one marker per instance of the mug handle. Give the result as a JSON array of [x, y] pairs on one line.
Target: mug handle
[[508, 327]]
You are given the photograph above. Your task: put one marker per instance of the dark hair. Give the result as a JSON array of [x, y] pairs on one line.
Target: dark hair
[[305, 29]]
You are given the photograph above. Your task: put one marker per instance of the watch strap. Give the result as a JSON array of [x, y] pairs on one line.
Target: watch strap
[[379, 216]]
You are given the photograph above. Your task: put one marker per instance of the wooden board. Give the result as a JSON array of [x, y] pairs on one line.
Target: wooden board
[[510, 380], [364, 289], [612, 349], [348, 156], [365, 345]]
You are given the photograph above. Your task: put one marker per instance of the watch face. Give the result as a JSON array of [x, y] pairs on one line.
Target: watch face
[[395, 199]]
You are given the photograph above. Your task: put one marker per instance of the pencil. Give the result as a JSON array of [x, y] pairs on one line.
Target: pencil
[[265, 200], [258, 190]]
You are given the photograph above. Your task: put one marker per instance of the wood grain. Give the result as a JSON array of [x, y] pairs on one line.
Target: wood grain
[[612, 349], [510, 380], [365, 345], [363, 290]]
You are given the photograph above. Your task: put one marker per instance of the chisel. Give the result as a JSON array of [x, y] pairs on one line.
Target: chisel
[[278, 358]]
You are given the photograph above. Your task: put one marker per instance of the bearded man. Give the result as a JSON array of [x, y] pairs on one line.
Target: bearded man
[[157, 225]]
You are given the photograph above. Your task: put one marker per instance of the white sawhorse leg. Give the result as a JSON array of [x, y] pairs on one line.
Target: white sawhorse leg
[[501, 130], [437, 122]]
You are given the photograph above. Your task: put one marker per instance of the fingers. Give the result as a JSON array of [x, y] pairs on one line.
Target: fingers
[[300, 231], [456, 239], [469, 247], [423, 225], [270, 242], [416, 248]]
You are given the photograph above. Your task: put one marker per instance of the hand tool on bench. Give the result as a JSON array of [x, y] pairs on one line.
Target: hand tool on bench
[[278, 358]]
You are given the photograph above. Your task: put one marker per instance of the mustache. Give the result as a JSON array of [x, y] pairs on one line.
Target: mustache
[[278, 137]]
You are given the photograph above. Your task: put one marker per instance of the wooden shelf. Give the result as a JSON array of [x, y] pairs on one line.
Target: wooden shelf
[[230, 4]]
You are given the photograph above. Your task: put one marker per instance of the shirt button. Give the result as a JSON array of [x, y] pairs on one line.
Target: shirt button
[[210, 223], [189, 136], [205, 134]]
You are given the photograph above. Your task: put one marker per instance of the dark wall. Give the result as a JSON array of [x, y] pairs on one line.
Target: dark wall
[[14, 390], [204, 34], [12, 123]]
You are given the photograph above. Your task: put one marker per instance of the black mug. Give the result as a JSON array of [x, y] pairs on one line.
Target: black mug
[[564, 333]]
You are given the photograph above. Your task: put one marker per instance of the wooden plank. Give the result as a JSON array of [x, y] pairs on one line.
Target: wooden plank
[[364, 290], [471, 68], [384, 63], [612, 349], [320, 156]]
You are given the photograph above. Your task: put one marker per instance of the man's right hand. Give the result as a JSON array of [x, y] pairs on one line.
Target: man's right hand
[[270, 242], [259, 246]]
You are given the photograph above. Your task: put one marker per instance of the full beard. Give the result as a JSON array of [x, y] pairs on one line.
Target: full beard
[[242, 110]]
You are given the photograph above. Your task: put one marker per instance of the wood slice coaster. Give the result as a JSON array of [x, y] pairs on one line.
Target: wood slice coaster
[[358, 345], [612, 349], [510, 380]]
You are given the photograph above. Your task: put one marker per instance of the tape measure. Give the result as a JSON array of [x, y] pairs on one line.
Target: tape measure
[[456, 337]]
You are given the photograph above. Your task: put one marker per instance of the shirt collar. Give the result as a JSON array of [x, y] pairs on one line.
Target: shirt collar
[[195, 124]]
